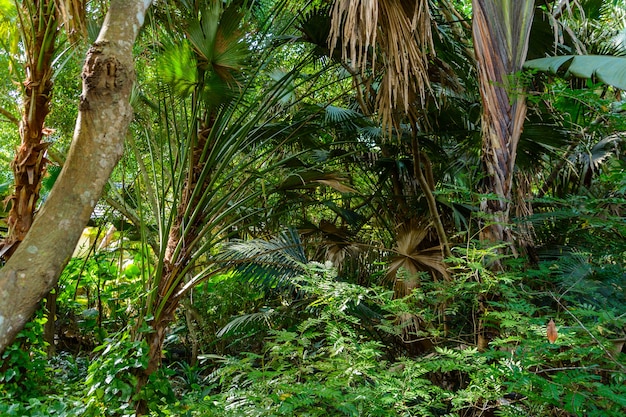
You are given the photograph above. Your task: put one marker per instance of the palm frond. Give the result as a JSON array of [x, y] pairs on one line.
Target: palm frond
[[269, 263], [73, 15], [336, 115], [401, 32], [413, 259], [608, 69], [315, 27], [604, 150], [173, 69], [246, 321]]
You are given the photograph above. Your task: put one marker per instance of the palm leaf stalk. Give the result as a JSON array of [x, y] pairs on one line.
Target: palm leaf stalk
[[501, 31]]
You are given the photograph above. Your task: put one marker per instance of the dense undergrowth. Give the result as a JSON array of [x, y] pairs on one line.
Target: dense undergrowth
[[301, 337], [330, 347]]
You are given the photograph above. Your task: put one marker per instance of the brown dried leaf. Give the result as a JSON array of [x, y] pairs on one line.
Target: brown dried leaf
[[551, 331], [337, 185]]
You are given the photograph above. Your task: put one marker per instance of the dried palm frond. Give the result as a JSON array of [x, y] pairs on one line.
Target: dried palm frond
[[356, 24], [397, 32], [72, 14], [413, 259]]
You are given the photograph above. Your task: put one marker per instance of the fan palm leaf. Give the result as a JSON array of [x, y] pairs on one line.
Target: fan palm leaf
[[414, 259]]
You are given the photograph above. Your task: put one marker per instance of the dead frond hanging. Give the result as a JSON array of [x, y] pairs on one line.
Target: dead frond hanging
[[393, 32]]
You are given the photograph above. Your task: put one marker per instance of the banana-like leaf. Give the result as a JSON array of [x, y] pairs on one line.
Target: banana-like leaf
[[610, 70]]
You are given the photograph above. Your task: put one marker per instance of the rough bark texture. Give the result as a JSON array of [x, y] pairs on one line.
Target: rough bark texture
[[501, 29], [102, 122], [30, 161]]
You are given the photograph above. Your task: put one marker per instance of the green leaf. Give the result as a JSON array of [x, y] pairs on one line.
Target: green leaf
[[607, 69], [574, 402], [174, 69], [9, 374]]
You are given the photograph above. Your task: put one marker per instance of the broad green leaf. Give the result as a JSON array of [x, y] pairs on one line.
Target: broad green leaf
[[607, 69]]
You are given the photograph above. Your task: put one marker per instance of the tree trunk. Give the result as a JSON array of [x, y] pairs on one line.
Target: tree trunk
[[49, 329], [30, 161], [103, 119], [501, 31]]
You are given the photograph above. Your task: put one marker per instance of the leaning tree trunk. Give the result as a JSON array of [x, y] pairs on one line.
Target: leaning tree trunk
[[103, 119], [501, 31]]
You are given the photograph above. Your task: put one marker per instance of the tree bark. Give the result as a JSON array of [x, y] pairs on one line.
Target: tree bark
[[49, 329], [102, 123]]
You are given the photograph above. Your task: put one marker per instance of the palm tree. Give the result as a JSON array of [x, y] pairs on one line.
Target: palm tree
[[398, 34], [501, 34], [220, 151], [39, 22]]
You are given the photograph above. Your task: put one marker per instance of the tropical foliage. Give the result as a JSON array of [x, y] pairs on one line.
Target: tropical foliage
[[329, 208]]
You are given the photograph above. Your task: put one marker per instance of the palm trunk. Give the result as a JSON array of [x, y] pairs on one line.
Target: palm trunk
[[29, 164], [156, 337], [501, 30], [30, 161]]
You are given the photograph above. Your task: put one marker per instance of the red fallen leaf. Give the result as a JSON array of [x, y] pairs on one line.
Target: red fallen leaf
[[551, 332]]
